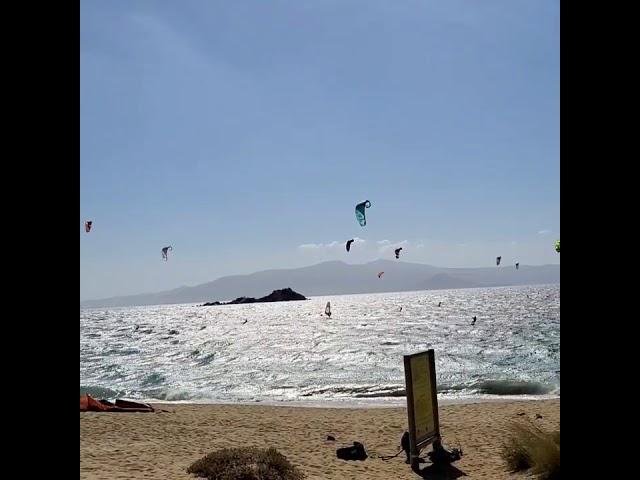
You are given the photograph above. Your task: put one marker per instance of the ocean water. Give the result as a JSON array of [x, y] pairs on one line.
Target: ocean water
[[290, 352]]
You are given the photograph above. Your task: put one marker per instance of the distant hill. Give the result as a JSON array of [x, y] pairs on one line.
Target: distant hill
[[335, 278]]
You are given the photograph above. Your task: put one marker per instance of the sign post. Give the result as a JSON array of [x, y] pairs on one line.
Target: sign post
[[422, 403]]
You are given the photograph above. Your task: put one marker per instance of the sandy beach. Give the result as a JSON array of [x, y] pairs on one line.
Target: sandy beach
[[162, 445]]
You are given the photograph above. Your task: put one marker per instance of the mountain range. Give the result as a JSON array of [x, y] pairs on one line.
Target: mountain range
[[336, 277]]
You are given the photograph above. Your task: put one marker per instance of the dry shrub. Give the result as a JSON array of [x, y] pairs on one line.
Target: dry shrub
[[248, 463], [530, 448]]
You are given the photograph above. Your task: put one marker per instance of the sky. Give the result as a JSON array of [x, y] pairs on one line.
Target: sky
[[243, 134]]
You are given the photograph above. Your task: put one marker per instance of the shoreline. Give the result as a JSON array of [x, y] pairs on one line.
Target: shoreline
[[163, 444], [393, 402]]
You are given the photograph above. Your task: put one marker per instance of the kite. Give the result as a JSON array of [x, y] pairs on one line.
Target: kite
[[349, 242], [164, 252], [360, 216]]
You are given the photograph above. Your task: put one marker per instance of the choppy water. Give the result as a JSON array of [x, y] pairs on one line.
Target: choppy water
[[291, 352]]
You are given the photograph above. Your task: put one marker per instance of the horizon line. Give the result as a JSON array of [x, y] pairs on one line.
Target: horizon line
[[297, 268]]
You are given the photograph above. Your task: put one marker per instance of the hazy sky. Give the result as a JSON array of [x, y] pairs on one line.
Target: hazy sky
[[244, 133]]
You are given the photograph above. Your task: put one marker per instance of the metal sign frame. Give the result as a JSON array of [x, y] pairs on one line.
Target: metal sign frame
[[416, 444]]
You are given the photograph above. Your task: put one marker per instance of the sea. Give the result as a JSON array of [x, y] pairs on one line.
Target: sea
[[290, 353]]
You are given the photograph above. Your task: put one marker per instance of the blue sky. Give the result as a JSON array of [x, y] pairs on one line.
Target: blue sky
[[244, 133]]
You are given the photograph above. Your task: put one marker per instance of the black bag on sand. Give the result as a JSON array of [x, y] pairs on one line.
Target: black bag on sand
[[357, 452]]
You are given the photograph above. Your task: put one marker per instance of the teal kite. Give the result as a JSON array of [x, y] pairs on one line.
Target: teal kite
[[558, 246], [360, 216]]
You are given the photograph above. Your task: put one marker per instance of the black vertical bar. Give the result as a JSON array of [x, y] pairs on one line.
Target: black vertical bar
[[434, 390], [408, 379]]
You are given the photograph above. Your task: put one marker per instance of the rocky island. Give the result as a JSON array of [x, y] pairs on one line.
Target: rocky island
[[284, 295]]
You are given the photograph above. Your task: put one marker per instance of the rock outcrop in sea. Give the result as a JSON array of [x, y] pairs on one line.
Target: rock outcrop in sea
[[283, 295]]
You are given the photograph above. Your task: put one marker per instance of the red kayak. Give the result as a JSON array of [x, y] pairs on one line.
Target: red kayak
[[90, 404]]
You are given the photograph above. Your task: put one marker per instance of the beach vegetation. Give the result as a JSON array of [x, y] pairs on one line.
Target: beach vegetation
[[530, 449], [248, 463]]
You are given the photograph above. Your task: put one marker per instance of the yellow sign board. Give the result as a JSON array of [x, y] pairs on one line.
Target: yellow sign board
[[422, 402], [422, 399]]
